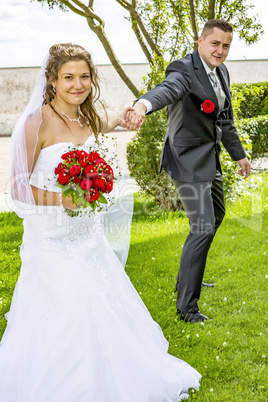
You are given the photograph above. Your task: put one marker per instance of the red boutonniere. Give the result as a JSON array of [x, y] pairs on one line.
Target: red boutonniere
[[208, 106]]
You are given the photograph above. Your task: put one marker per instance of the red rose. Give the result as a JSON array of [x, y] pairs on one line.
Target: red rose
[[98, 160], [208, 106], [98, 182], [93, 156], [64, 178], [90, 171], [77, 179], [83, 161], [110, 170], [109, 173], [93, 195], [86, 184], [81, 154], [59, 168], [102, 165], [75, 170], [103, 188], [109, 186], [66, 156]]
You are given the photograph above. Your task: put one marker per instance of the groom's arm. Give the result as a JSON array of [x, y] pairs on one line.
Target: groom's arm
[[234, 147], [230, 138], [173, 88]]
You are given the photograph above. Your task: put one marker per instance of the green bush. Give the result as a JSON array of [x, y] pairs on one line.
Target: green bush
[[232, 182], [144, 154], [257, 130], [250, 100]]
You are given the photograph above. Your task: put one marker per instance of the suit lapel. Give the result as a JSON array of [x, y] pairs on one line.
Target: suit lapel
[[203, 78]]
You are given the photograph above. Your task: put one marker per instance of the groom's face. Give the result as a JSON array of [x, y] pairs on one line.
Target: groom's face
[[214, 47]]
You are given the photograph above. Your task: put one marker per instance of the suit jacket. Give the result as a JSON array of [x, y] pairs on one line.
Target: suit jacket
[[192, 142]]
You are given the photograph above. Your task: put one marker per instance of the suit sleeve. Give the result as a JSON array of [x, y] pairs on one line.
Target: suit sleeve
[[230, 138], [231, 141], [173, 88]]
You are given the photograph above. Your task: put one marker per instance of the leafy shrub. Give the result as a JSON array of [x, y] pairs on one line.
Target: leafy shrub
[[144, 154], [250, 100], [257, 130], [232, 182]]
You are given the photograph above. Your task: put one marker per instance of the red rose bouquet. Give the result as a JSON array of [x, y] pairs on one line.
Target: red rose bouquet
[[85, 176], [208, 106]]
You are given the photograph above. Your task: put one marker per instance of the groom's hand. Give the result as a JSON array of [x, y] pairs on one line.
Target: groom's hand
[[245, 167], [136, 117]]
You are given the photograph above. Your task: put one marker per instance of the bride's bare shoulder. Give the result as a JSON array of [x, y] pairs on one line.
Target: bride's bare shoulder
[[47, 114], [48, 119], [47, 126]]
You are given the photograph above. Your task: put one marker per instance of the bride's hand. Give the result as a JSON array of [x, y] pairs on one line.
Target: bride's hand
[[131, 119], [67, 202], [124, 116]]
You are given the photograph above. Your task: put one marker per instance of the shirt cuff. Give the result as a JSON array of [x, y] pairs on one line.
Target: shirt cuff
[[147, 104]]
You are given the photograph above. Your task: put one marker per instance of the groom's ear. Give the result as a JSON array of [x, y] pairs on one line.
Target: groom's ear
[[200, 40]]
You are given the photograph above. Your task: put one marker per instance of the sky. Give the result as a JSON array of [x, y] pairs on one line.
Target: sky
[[27, 30]]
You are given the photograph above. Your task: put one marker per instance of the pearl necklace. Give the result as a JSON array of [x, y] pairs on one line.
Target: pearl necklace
[[66, 115]]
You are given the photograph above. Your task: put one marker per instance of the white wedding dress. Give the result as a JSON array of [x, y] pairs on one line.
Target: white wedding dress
[[77, 329]]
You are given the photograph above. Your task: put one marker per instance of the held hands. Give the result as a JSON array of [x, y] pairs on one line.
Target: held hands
[[133, 117], [245, 167]]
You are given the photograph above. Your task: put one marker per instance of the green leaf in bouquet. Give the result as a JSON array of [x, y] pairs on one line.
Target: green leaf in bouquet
[[67, 192], [79, 190], [86, 204], [81, 199], [102, 199], [75, 198]]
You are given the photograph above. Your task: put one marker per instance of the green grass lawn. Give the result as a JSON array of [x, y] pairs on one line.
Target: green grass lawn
[[231, 349]]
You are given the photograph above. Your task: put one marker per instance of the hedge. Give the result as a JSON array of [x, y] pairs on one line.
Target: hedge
[[144, 152], [249, 100], [257, 130]]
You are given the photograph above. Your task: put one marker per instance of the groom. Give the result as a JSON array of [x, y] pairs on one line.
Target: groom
[[199, 111]]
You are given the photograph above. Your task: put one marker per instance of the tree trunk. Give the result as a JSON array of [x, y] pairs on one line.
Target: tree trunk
[[136, 17], [193, 23], [211, 9], [99, 31], [141, 41], [96, 24]]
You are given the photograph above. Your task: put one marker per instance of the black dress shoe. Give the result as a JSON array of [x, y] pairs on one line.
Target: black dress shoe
[[192, 317], [208, 285]]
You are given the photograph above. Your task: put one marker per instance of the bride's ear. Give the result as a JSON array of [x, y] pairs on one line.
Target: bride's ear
[[52, 82]]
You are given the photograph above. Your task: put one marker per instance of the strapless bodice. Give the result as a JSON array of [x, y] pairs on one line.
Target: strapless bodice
[[43, 175]]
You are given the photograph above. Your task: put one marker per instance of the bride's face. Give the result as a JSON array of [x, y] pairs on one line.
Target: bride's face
[[74, 82]]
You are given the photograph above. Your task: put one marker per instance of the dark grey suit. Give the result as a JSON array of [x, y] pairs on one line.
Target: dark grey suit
[[191, 158]]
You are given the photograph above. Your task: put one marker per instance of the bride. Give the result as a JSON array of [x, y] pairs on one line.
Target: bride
[[77, 329]]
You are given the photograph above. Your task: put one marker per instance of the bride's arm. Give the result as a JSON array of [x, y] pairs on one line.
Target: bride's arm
[[34, 142], [44, 197], [109, 122]]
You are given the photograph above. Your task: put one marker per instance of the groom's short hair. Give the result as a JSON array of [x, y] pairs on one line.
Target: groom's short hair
[[216, 23]]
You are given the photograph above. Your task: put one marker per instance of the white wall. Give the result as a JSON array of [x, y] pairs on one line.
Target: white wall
[[248, 71], [16, 85]]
